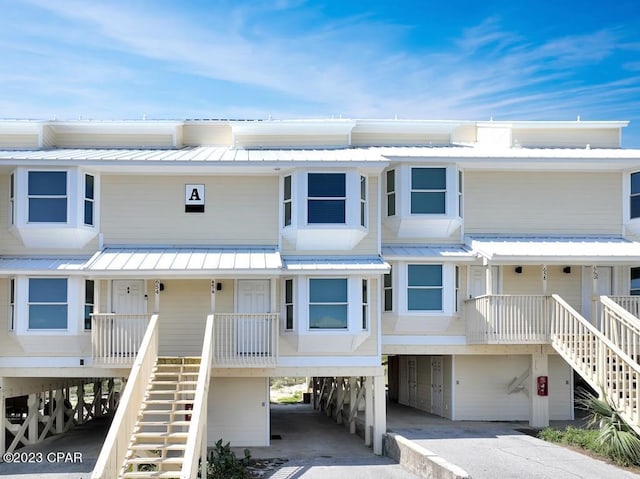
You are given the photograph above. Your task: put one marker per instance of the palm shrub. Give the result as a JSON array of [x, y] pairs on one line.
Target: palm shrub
[[616, 438], [223, 463]]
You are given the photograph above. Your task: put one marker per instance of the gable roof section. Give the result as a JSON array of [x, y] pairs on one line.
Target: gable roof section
[[555, 249]]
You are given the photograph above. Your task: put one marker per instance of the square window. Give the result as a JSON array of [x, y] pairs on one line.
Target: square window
[[47, 195], [328, 303], [424, 287], [47, 303], [428, 190], [326, 198]]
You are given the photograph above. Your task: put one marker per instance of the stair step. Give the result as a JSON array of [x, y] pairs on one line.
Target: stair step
[[154, 446], [151, 474], [163, 423], [155, 460], [172, 383], [168, 401], [177, 436]]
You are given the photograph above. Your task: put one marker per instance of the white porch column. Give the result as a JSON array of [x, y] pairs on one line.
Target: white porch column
[[368, 411], [272, 291], [545, 274], [3, 422], [80, 394], [340, 403], [33, 401], [59, 410], [489, 279], [353, 398], [539, 405], [156, 296], [97, 286], [380, 414], [213, 296]]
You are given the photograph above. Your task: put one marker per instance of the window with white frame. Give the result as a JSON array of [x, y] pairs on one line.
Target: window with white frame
[[89, 199], [47, 304], [428, 191], [326, 198], [328, 303], [288, 304], [287, 200], [12, 205], [424, 287], [634, 200], [363, 201], [391, 192], [388, 290], [12, 304], [47, 196], [460, 195], [457, 285], [89, 301], [634, 289], [365, 304]]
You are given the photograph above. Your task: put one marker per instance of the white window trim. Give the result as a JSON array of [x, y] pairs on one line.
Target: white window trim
[[323, 236], [293, 304], [75, 307], [73, 233], [448, 290]]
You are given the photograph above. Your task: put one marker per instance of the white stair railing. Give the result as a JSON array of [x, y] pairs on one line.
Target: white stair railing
[[112, 456], [620, 326], [116, 338], [507, 319], [599, 361], [197, 438], [630, 303]]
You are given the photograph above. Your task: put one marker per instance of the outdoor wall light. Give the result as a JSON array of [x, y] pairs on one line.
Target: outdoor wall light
[[218, 286], [518, 269], [566, 270]]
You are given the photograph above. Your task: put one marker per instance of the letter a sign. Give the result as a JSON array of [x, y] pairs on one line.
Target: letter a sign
[[194, 198]]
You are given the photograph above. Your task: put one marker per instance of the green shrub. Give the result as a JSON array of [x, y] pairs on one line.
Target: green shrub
[[223, 463]]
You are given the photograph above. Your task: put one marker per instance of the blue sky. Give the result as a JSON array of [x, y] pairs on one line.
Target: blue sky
[[510, 60]]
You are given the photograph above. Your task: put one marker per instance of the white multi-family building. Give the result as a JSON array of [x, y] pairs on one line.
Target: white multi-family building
[[485, 262]]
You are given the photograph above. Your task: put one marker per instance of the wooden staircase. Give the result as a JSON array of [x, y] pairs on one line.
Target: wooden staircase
[[159, 440], [605, 357]]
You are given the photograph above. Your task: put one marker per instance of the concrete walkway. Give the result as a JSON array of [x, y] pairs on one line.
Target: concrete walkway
[[490, 450], [315, 447]]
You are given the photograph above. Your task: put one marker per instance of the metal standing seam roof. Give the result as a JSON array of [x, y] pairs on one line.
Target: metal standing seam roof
[[373, 264], [214, 154], [555, 248], [436, 252], [39, 265], [191, 260]]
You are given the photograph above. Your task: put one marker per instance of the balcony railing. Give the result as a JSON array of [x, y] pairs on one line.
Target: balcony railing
[[506, 319], [245, 340], [116, 338]]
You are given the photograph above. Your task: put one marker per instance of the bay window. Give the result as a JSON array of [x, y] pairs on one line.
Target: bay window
[[328, 305], [47, 196], [424, 287], [47, 303], [428, 190], [326, 198]]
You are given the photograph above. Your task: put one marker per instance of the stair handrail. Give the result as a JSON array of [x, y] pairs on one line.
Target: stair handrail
[[624, 371], [196, 447], [621, 326], [114, 449]]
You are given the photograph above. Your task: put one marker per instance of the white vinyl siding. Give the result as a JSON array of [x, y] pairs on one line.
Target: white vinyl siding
[[566, 138], [542, 203], [137, 207], [115, 140]]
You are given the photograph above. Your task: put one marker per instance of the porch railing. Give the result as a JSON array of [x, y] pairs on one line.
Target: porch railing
[[116, 444], [196, 449], [116, 338], [620, 326], [506, 319], [245, 339], [630, 303]]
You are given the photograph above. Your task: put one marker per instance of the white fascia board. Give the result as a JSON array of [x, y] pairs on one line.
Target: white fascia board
[[328, 361], [293, 127], [423, 340], [408, 126], [572, 124], [561, 260]]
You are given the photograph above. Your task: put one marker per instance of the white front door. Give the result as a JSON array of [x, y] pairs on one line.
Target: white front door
[[412, 382], [127, 299], [253, 331], [478, 281], [436, 385], [128, 296], [604, 285]]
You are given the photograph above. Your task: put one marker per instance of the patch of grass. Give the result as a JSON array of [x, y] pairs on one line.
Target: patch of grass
[[573, 436], [294, 398]]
